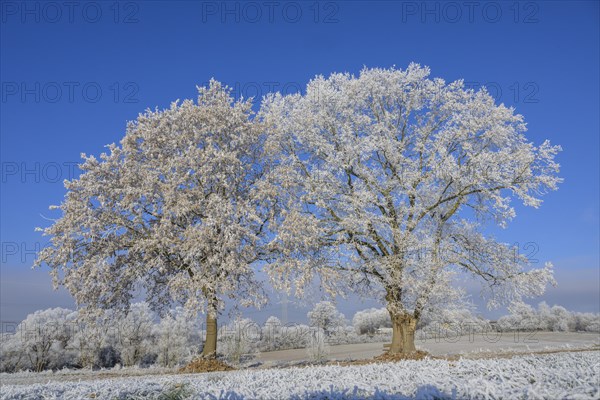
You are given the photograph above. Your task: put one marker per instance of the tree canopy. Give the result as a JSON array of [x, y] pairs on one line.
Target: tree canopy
[[385, 180], [174, 209], [389, 178]]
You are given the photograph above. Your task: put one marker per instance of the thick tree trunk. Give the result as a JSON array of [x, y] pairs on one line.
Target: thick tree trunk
[[210, 343], [403, 333]]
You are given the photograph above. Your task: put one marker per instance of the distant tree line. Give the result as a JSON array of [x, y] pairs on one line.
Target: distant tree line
[[56, 338]]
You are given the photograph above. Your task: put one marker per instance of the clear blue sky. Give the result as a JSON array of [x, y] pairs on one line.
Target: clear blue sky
[[73, 75]]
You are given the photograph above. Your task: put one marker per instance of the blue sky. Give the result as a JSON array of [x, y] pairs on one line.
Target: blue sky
[[73, 75]]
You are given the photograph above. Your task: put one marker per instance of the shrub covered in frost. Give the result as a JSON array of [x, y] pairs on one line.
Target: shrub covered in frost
[[451, 322], [276, 336], [176, 338], [238, 341], [95, 340], [326, 317], [135, 337], [12, 357], [556, 318], [41, 341], [317, 348], [370, 320]]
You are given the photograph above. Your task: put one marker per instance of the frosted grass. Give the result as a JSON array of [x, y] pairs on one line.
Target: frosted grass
[[552, 376]]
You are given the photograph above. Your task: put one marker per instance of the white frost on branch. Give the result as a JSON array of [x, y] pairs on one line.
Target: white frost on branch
[[387, 179], [174, 208]]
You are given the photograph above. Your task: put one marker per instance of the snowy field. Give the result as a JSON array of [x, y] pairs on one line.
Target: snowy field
[[485, 371], [470, 346], [567, 375]]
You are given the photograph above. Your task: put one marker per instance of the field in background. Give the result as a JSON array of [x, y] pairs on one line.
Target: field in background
[[493, 343]]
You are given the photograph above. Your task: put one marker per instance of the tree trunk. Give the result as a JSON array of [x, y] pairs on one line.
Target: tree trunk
[[210, 343], [403, 333]]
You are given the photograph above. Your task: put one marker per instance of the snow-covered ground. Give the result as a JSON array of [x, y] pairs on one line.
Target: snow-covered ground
[[473, 345], [258, 382], [554, 376]]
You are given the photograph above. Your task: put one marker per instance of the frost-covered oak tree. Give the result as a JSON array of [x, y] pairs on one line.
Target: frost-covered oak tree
[[174, 209], [387, 179]]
